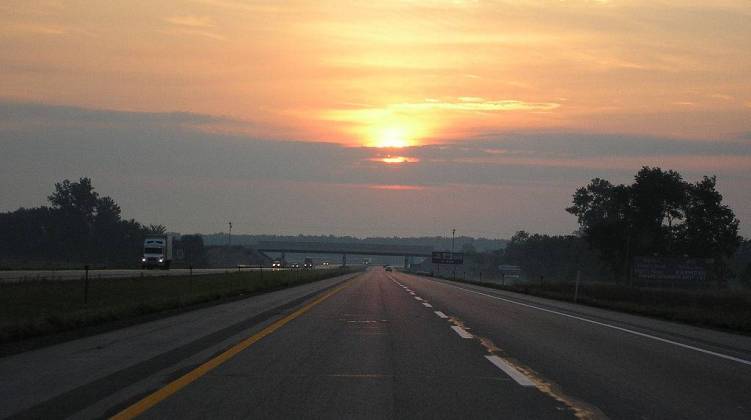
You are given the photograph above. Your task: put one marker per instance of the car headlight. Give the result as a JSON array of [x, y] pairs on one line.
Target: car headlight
[[161, 259], [143, 259]]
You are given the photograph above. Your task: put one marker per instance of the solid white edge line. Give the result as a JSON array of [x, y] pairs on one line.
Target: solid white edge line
[[461, 331], [427, 305], [602, 324], [418, 298], [511, 371], [440, 314]]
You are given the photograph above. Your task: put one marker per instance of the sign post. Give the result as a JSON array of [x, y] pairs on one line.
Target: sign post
[[446, 257]]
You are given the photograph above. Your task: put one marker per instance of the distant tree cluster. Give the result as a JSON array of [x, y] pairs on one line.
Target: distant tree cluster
[[437, 242], [659, 214], [79, 226], [557, 258]]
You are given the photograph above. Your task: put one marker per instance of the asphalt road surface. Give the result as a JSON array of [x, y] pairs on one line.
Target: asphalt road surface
[[388, 345]]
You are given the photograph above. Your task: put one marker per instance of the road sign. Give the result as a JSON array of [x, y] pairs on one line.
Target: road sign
[[445, 257], [670, 270]]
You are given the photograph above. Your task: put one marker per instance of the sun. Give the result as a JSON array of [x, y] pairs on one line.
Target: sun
[[391, 137]]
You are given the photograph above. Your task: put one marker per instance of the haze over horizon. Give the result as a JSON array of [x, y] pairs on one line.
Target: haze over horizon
[[395, 118]]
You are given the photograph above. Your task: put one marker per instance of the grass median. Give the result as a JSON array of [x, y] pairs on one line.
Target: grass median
[[37, 308], [728, 310]]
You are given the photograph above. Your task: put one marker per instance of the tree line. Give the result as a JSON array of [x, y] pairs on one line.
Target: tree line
[[78, 227], [659, 214]]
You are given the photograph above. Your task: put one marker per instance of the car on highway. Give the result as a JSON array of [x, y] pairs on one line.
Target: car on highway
[[295, 265], [276, 264], [388, 268], [308, 264]]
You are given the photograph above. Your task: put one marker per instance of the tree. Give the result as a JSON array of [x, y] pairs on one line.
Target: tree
[[80, 226], [77, 198], [659, 214], [554, 257], [605, 214], [659, 199], [156, 230], [711, 229]]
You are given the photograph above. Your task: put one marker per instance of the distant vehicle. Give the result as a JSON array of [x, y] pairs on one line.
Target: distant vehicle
[[157, 251], [388, 268], [295, 265], [276, 264], [308, 263], [325, 263]]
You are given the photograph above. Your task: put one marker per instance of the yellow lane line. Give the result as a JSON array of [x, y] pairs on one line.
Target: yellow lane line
[[183, 381]]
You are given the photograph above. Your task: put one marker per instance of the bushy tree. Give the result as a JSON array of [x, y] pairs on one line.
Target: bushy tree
[[659, 214]]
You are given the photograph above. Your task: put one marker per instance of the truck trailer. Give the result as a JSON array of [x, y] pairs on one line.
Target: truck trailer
[[157, 251]]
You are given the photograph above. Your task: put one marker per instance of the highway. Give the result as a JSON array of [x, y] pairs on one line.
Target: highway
[[25, 275], [387, 345]]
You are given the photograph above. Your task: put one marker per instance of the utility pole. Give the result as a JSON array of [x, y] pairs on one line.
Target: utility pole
[[229, 237], [453, 232]]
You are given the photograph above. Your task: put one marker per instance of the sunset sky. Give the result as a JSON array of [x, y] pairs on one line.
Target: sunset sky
[[373, 117]]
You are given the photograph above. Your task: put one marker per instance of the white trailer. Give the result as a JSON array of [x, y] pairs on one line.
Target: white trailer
[[157, 251]]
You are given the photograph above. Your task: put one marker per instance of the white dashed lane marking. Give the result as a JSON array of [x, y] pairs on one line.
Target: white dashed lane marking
[[461, 331], [498, 362], [511, 371]]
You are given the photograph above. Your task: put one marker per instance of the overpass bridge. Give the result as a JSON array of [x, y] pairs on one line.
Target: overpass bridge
[[344, 249]]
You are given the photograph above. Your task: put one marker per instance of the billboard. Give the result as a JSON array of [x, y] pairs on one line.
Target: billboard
[[446, 257], [670, 271], [510, 271]]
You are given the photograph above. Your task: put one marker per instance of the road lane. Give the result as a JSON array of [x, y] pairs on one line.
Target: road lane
[[622, 374], [28, 275], [369, 351]]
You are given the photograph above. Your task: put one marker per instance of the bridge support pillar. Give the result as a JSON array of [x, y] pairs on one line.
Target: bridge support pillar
[[344, 260], [406, 262], [284, 260]]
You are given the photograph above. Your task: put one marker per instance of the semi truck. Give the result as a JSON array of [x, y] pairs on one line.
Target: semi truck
[[157, 251]]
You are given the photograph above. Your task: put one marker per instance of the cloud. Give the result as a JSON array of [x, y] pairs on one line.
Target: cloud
[[33, 28], [396, 187], [192, 21], [195, 32], [35, 114], [193, 26], [467, 103], [134, 155]]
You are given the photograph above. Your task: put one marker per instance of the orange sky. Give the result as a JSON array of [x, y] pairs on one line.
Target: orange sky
[[243, 107], [392, 72]]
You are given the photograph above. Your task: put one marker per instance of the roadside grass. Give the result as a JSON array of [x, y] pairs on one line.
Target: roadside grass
[[40, 307], [721, 309]]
